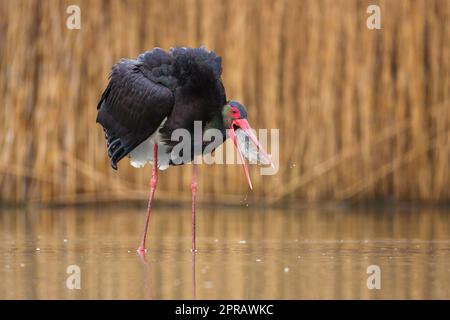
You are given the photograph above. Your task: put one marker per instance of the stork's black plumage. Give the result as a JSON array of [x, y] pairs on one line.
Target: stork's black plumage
[[147, 99], [182, 85]]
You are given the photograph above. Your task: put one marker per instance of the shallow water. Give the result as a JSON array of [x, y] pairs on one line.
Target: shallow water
[[243, 253]]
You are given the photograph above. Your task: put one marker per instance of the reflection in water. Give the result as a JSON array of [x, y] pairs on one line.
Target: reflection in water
[[243, 254], [194, 281]]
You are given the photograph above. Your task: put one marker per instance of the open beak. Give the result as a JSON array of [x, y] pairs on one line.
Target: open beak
[[244, 125]]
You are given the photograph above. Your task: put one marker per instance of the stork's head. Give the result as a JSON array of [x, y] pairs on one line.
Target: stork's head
[[233, 110], [234, 117]]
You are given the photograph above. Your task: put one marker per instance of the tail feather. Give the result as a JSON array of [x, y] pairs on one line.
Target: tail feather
[[116, 150]]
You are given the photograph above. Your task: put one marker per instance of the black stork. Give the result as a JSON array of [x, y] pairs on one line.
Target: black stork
[[147, 99]]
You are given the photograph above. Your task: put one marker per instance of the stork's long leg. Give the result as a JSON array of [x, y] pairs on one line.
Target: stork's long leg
[[194, 193], [153, 184]]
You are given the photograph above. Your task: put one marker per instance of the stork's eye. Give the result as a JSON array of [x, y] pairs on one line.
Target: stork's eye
[[235, 112]]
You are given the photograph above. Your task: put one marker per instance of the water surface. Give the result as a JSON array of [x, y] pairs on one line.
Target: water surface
[[244, 253]]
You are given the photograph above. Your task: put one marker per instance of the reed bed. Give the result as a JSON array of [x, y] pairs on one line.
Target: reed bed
[[363, 114]]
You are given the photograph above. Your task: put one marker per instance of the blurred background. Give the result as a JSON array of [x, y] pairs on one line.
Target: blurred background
[[363, 117], [363, 114]]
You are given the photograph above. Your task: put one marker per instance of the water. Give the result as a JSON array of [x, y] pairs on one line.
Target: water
[[244, 253]]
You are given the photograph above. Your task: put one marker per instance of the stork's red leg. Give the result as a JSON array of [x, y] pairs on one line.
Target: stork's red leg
[[194, 193], [153, 184]]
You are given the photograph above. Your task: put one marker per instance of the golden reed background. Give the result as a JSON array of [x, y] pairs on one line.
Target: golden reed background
[[362, 114]]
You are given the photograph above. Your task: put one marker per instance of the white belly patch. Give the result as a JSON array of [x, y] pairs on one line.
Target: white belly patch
[[143, 153]]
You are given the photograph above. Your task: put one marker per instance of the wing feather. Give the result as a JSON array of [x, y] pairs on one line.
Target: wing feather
[[183, 85], [131, 108]]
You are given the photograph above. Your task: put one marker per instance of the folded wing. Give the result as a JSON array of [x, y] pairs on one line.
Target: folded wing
[[133, 106]]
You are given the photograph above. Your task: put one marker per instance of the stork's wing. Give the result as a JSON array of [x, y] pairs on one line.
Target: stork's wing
[[199, 95], [131, 108]]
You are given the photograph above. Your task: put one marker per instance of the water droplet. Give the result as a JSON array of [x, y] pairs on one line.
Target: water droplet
[[38, 249], [258, 260], [286, 269], [22, 265], [216, 240], [65, 240], [242, 242]]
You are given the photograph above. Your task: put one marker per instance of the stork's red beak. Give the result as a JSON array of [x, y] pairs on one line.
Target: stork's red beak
[[244, 125]]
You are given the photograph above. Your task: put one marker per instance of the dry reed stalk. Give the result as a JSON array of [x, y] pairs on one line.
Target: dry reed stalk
[[347, 100]]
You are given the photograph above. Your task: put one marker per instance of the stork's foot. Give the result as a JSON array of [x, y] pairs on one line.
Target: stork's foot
[[142, 253], [141, 250]]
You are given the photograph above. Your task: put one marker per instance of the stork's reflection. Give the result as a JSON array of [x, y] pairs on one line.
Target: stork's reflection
[[194, 281], [147, 275], [148, 280]]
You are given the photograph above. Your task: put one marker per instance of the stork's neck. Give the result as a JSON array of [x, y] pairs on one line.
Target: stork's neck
[[217, 123]]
